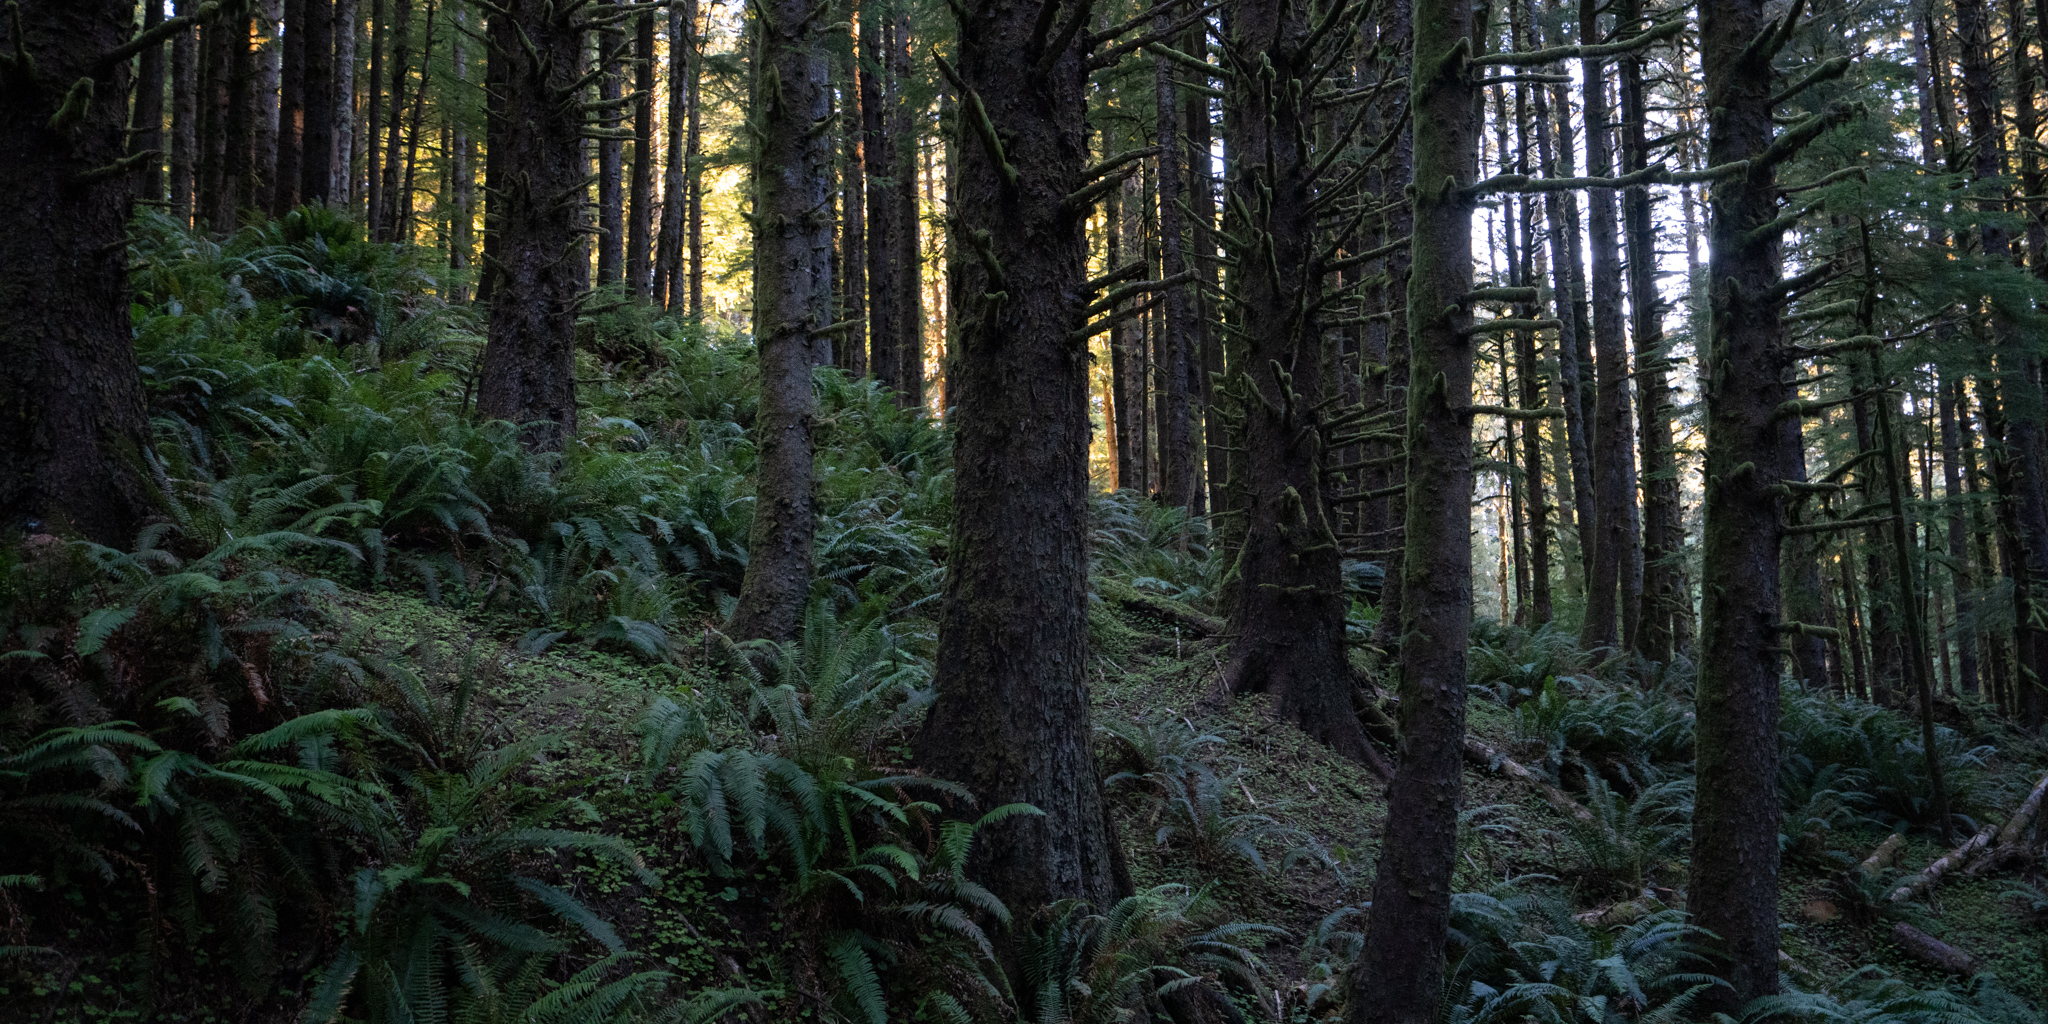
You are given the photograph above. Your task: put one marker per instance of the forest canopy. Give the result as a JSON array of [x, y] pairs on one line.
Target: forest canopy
[[1193, 511]]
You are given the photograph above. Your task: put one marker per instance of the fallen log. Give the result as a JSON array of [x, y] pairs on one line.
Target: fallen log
[[1886, 854], [1944, 864], [1492, 760], [1160, 608], [2012, 835], [1932, 951]]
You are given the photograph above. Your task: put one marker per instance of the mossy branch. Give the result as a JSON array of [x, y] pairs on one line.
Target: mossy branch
[[976, 113], [1537, 58], [153, 36], [126, 165], [1828, 70]]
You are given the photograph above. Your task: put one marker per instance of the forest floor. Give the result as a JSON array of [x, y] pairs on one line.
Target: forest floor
[[1275, 787]]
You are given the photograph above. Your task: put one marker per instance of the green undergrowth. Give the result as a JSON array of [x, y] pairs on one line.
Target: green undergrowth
[[385, 719]]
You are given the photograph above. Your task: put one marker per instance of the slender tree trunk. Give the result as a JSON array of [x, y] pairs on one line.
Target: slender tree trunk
[[1660, 499], [529, 365], [462, 218], [1013, 627], [1206, 346], [238, 170], [341, 180], [611, 154], [1734, 880], [1568, 295], [792, 300], [909, 280], [692, 169], [316, 101], [259, 191], [1957, 502], [184, 113], [878, 150], [1124, 433], [373, 116], [640, 219], [291, 110], [671, 277], [402, 208], [853, 246], [149, 107], [1285, 597], [1394, 33], [1612, 450], [388, 219], [1177, 476], [1399, 976], [69, 387]]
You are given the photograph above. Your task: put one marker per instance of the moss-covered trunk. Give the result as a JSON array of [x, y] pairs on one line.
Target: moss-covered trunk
[[1012, 721], [70, 394], [1733, 890], [792, 300], [538, 262], [1399, 977]]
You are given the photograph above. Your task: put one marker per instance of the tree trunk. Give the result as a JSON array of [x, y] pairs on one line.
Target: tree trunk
[[1612, 449], [238, 169], [1394, 35], [68, 382], [1206, 345], [853, 245], [316, 97], [341, 180], [1661, 519], [640, 219], [373, 117], [291, 111], [792, 299], [259, 192], [1123, 431], [1178, 368], [611, 154], [460, 163], [692, 172], [402, 206], [1013, 626], [1957, 502], [909, 280], [1734, 878], [149, 107], [1399, 976], [529, 366], [1284, 596], [671, 287], [1568, 293], [878, 151], [388, 216], [184, 113]]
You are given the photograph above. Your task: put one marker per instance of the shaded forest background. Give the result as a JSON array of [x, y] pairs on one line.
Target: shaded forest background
[[1394, 511]]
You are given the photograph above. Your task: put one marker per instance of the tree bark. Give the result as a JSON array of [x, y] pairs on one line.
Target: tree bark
[[1661, 522], [1177, 476], [671, 287], [1734, 880], [69, 387], [373, 118], [1284, 591], [341, 187], [1612, 448], [286, 178], [389, 224], [909, 280], [1013, 625], [640, 198], [528, 374], [149, 107], [878, 152], [611, 154], [693, 173], [316, 136], [792, 300], [259, 192], [853, 246], [1568, 291], [1961, 578], [184, 113], [1399, 976]]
